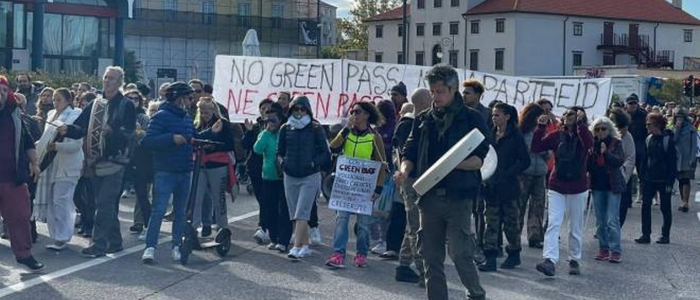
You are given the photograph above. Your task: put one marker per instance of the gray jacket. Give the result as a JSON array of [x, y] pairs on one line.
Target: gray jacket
[[538, 161], [686, 142], [630, 153]]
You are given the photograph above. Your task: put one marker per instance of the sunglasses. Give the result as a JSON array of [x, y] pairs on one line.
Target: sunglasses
[[197, 91], [298, 108], [600, 129], [569, 113], [272, 120], [355, 112]]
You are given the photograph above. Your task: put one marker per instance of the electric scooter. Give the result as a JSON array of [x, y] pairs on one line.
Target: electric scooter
[[191, 242]]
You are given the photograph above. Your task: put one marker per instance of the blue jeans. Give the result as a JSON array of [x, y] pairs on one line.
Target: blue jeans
[[340, 237], [607, 212], [166, 184]]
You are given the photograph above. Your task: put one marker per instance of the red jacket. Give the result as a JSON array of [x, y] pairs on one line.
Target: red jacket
[[542, 141]]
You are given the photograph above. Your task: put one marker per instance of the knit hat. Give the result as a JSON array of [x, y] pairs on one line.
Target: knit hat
[[10, 95], [302, 101], [400, 88], [633, 98]]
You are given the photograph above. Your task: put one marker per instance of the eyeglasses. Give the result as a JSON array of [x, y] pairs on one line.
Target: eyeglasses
[[600, 129], [298, 108], [355, 112]]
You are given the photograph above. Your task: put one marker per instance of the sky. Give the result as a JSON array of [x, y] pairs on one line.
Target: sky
[[691, 6]]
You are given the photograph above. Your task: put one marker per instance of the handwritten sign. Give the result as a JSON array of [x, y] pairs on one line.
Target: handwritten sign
[[355, 181], [333, 86]]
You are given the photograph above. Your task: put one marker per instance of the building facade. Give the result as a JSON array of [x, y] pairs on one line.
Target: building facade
[[70, 35], [538, 38]]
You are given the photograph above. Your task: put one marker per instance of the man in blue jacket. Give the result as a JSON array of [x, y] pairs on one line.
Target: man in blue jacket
[[169, 135]]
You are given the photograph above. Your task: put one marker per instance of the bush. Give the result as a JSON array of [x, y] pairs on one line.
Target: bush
[[55, 80]]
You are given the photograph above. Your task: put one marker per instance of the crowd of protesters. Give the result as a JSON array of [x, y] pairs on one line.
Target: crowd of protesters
[[59, 166]]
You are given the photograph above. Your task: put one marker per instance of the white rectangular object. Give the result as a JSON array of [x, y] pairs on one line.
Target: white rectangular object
[[354, 184], [448, 162]]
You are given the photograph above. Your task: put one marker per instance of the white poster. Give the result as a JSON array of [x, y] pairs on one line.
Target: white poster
[[354, 184], [333, 86]]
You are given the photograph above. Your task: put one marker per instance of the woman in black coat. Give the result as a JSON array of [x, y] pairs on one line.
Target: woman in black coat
[[503, 188]]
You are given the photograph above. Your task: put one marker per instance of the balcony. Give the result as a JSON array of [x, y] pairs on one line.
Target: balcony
[[636, 46]]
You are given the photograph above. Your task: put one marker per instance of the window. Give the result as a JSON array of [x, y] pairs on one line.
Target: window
[[244, 14], [400, 29], [19, 36], [454, 3], [379, 31], [500, 25], [421, 4], [437, 29], [578, 59], [277, 15], [208, 12], [420, 58], [437, 3], [420, 29], [454, 28], [399, 58], [578, 29], [499, 59], [170, 7], [688, 35], [454, 54], [474, 60], [378, 57], [475, 27]]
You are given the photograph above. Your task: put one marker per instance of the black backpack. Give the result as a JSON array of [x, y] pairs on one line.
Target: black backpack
[[568, 164]]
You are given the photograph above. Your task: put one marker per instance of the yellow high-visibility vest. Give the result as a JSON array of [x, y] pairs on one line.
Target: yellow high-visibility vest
[[359, 146]]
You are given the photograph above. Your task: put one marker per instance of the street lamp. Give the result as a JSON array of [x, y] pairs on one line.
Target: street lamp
[[466, 34], [404, 25]]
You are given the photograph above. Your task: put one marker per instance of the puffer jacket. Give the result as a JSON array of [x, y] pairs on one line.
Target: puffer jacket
[[685, 138], [304, 151]]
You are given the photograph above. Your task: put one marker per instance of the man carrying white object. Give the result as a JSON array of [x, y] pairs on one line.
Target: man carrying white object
[[445, 209]]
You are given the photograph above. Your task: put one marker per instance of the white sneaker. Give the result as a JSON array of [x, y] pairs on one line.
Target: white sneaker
[[148, 255], [56, 246], [142, 236], [656, 201], [304, 252], [315, 234], [294, 253], [261, 237], [291, 240], [176, 253], [281, 248], [271, 246], [379, 248]]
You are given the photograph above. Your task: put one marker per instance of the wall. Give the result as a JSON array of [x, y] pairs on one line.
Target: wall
[[429, 15], [389, 44], [488, 40]]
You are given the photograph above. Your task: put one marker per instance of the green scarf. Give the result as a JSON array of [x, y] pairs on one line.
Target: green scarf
[[444, 116]]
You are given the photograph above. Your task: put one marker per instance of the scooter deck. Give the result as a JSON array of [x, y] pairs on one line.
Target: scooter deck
[[209, 244]]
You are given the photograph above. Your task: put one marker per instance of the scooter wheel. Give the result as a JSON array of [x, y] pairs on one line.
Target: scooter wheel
[[223, 248]]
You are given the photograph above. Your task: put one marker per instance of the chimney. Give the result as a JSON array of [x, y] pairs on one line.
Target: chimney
[[678, 4]]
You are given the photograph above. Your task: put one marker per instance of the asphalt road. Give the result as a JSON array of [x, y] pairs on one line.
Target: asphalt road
[[252, 272]]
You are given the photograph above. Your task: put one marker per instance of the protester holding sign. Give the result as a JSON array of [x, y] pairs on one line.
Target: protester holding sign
[[303, 149], [445, 210], [358, 140], [274, 206]]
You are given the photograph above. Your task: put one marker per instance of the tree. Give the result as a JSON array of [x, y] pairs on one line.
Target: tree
[[672, 90], [332, 52], [354, 30]]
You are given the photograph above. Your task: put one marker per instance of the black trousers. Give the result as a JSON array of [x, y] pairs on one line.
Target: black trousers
[[85, 202], [313, 218], [397, 227], [257, 182], [649, 191], [275, 213]]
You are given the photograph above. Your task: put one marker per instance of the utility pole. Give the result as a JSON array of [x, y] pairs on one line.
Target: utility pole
[[319, 27], [404, 44]]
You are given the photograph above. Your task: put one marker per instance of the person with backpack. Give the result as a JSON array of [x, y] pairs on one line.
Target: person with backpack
[[685, 137], [501, 193], [358, 140], [568, 185], [659, 171], [303, 150], [607, 184]]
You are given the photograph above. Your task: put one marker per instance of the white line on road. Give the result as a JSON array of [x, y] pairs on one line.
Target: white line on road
[[697, 197], [94, 262], [699, 216]]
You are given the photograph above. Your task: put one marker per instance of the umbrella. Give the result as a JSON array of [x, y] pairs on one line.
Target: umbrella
[[251, 45]]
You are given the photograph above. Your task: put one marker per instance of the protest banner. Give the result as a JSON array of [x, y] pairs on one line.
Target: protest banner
[[333, 86], [354, 184]]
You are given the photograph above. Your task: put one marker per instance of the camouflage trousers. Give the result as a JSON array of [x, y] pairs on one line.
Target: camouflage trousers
[[532, 199], [506, 211], [409, 247]]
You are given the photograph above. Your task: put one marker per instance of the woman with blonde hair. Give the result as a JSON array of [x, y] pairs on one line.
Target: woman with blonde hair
[[44, 105], [608, 184]]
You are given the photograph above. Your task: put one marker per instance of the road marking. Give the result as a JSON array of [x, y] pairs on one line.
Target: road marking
[[699, 216], [18, 287], [697, 197]]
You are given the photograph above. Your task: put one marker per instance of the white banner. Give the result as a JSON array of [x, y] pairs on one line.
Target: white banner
[[333, 86], [354, 184]]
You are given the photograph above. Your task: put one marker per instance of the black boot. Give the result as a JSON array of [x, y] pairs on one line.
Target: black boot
[[491, 265], [406, 274], [512, 261]]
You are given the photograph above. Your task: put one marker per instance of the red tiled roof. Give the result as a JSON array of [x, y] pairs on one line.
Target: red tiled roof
[[650, 10], [394, 14]]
